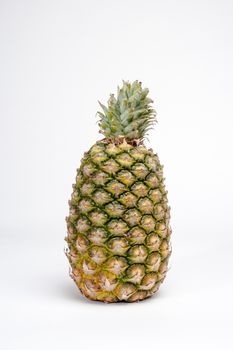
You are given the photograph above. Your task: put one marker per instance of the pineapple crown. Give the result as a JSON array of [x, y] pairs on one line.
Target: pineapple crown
[[129, 115]]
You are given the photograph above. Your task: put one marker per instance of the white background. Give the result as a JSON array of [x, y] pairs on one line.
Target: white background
[[57, 58]]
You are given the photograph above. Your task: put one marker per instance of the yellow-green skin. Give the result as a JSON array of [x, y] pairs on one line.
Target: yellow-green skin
[[118, 226]]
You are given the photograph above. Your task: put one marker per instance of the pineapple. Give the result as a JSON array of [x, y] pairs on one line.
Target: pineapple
[[118, 225]]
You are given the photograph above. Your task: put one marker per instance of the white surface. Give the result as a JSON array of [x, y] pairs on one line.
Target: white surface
[[57, 59]]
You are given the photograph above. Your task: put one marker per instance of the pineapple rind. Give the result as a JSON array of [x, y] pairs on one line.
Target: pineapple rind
[[118, 227]]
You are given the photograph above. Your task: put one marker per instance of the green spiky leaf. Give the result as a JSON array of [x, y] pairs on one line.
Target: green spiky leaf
[[129, 114]]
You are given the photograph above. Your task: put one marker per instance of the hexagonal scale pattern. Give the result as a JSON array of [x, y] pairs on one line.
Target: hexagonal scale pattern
[[118, 228]]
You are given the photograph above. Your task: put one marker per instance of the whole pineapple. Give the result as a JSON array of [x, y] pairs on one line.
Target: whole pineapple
[[118, 226]]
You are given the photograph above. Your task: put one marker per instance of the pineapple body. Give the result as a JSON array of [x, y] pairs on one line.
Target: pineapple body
[[118, 225]]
